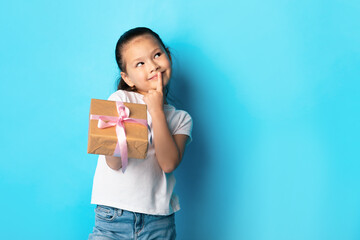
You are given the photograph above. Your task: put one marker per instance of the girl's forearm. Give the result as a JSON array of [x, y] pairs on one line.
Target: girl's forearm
[[166, 149], [167, 152]]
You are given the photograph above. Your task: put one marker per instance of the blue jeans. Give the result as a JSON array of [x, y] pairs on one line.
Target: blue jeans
[[112, 223]]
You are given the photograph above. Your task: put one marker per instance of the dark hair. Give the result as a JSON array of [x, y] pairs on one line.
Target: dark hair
[[123, 40]]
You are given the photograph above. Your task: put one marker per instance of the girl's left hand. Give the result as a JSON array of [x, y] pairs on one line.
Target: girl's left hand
[[154, 99]]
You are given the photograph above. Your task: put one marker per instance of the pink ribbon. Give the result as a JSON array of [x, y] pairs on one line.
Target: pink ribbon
[[109, 121]]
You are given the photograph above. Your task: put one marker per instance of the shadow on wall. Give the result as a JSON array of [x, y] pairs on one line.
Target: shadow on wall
[[195, 88], [191, 174]]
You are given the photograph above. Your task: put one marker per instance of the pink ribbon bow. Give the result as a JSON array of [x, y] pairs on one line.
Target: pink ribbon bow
[[109, 121]]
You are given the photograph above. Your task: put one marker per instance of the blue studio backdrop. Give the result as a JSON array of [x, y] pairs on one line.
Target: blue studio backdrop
[[272, 86]]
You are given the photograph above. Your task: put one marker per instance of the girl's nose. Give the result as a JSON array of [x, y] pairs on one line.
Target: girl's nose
[[154, 66]]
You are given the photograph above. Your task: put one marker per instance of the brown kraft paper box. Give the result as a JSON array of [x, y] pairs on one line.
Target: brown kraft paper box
[[103, 141]]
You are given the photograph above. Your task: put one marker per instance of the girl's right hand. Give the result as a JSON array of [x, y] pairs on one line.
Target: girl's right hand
[[113, 162], [154, 99]]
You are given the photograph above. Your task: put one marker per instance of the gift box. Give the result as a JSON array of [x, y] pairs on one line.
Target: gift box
[[103, 141]]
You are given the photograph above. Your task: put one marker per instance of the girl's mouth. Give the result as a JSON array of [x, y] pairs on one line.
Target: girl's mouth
[[153, 78], [156, 75]]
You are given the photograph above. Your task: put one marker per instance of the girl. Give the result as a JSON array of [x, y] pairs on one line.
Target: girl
[[140, 203]]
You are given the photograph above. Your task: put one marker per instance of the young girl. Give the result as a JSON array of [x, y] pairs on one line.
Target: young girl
[[140, 203]]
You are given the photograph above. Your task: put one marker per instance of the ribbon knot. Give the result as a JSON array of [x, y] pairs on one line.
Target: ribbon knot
[[124, 112], [110, 121]]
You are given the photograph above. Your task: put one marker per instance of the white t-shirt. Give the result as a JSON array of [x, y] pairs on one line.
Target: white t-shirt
[[144, 187]]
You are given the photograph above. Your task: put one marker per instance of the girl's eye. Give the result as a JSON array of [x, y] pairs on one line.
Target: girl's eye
[[157, 55], [139, 64]]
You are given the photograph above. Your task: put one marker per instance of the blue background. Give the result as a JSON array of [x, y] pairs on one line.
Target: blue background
[[272, 86]]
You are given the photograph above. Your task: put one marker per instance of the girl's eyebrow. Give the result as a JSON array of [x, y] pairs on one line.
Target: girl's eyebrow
[[156, 49], [137, 59], [140, 58]]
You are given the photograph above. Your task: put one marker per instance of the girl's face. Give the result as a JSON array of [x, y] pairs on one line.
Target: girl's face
[[144, 57]]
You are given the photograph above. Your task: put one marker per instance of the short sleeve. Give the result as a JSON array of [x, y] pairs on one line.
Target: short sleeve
[[118, 96], [184, 125]]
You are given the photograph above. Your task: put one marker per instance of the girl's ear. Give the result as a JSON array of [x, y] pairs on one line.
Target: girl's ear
[[127, 79], [168, 53]]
